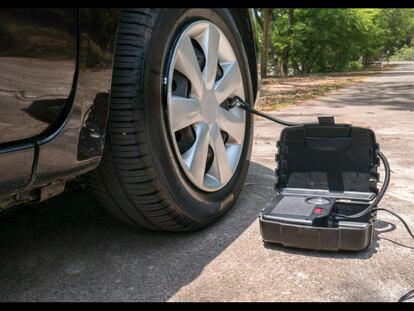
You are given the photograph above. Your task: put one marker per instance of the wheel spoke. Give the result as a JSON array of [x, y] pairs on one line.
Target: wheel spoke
[[232, 124], [229, 83], [187, 64], [220, 167], [233, 152], [183, 112], [196, 157], [210, 45]]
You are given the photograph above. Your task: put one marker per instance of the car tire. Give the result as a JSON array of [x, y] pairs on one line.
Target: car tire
[[140, 179]]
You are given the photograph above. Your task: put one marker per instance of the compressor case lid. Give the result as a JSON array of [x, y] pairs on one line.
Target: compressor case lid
[[327, 159]]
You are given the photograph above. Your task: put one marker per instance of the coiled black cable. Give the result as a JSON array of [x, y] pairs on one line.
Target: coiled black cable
[[398, 217], [407, 296], [373, 205]]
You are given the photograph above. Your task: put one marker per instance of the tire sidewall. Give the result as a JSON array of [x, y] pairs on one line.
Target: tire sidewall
[[194, 203]]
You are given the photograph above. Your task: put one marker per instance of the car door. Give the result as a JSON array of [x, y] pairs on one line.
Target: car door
[[38, 50]]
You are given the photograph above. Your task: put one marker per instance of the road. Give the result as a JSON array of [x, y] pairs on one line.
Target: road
[[68, 249]]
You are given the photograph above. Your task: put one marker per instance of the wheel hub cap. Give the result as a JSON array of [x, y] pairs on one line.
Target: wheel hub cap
[[214, 154], [209, 107]]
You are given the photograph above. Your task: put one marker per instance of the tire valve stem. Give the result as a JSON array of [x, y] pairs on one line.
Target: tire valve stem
[[236, 101]]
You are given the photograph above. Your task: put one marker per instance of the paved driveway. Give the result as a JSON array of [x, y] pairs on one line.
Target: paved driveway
[[67, 249]]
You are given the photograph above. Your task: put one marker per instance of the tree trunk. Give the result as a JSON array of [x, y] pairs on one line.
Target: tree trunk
[[274, 58], [265, 48], [365, 60], [310, 64], [296, 69], [286, 49], [259, 20]]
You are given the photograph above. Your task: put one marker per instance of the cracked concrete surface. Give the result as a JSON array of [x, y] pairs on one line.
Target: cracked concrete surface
[[67, 249]]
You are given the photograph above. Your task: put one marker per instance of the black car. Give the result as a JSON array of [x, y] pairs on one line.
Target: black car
[[134, 100]]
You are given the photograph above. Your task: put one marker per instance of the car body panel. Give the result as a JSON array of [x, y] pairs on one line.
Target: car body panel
[[37, 61], [16, 171], [79, 145], [73, 143]]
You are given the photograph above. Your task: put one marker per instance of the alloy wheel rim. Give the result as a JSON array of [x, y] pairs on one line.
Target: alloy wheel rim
[[207, 135]]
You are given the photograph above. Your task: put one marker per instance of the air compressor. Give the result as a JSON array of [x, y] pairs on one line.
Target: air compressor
[[326, 185]]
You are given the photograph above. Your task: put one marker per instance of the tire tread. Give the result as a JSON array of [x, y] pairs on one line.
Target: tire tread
[[125, 182]]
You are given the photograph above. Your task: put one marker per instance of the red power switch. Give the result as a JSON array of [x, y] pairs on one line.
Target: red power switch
[[318, 210]]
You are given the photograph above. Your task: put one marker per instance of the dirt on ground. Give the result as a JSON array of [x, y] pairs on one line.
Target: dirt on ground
[[279, 92]]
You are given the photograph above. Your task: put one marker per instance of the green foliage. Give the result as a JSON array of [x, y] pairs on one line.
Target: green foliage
[[395, 28], [353, 66], [327, 40], [404, 54]]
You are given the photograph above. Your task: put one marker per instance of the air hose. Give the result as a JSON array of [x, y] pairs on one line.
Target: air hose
[[237, 101], [378, 197]]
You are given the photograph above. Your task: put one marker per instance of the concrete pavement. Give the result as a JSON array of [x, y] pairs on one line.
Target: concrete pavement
[[68, 249]]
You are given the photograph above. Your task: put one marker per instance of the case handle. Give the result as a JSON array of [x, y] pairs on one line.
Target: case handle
[[327, 144]]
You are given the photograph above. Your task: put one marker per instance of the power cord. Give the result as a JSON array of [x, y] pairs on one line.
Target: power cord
[[373, 206], [237, 101], [407, 296]]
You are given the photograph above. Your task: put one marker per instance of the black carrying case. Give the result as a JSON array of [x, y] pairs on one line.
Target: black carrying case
[[337, 162]]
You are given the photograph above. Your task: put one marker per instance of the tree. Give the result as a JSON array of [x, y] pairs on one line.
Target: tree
[[395, 30], [286, 49], [323, 40], [265, 47]]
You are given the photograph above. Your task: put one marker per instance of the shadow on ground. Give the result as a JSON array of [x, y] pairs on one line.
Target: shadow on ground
[[69, 249], [396, 95]]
